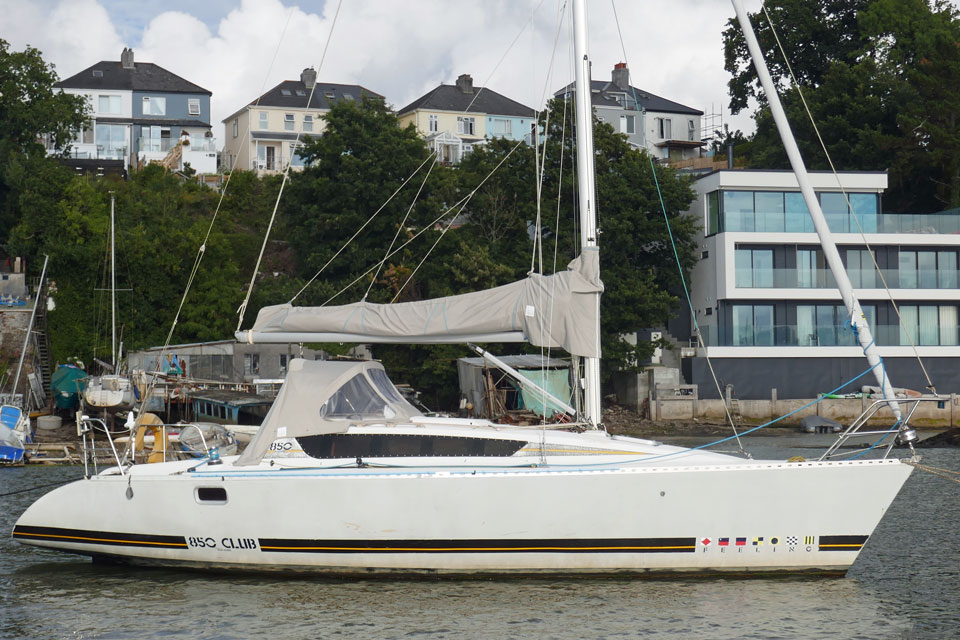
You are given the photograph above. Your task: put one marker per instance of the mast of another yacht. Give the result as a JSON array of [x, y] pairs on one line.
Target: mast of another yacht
[[857, 318], [587, 191], [113, 288]]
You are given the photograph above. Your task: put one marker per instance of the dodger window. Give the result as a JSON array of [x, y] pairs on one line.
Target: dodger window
[[355, 400]]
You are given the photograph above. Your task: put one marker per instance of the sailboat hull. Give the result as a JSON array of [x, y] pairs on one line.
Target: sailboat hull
[[752, 517]]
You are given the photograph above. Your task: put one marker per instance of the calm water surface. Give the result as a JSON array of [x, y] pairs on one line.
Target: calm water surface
[[906, 584]]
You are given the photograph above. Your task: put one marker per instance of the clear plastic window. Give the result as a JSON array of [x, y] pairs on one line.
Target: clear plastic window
[[355, 400], [383, 385]]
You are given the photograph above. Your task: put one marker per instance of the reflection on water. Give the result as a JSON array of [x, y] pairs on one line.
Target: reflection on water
[[905, 584]]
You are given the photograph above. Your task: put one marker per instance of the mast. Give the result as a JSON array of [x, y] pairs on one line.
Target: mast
[[857, 318], [587, 191], [113, 289]]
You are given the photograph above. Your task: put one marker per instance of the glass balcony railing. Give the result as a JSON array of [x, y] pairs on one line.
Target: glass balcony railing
[[860, 278], [791, 336], [843, 223], [163, 145]]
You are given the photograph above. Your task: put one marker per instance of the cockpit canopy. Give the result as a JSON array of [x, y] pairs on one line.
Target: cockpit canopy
[[327, 396]]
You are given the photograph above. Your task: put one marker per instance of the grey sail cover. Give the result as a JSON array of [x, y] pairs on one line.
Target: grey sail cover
[[559, 310]]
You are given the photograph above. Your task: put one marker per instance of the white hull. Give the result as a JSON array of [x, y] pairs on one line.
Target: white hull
[[811, 517], [109, 392]]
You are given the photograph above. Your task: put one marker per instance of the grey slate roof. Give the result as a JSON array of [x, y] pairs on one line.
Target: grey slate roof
[[293, 94], [601, 91], [145, 76], [448, 97]]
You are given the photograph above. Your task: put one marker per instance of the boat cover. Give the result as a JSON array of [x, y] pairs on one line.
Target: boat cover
[[559, 310], [327, 396]]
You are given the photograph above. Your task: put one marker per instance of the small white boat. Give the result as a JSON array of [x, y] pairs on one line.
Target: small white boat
[[14, 434], [109, 391]]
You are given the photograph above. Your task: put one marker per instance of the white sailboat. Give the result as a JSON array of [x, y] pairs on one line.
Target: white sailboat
[[110, 390], [348, 478]]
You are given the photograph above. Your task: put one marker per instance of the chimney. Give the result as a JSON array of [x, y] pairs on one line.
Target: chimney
[[621, 76], [308, 77], [465, 83], [126, 59]]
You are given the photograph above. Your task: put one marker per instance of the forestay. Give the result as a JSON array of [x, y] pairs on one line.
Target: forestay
[[558, 310], [327, 396]]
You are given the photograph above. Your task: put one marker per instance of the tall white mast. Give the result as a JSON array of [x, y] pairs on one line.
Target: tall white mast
[[585, 179], [113, 289], [857, 319]]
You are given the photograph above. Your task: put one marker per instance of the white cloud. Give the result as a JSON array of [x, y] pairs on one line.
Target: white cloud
[[401, 50]]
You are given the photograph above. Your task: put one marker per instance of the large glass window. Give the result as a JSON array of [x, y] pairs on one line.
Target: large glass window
[[738, 210], [111, 140], [866, 209], [928, 269], [769, 211], [827, 324], [466, 126], [928, 324], [860, 268], [713, 213], [835, 210], [797, 216], [754, 267], [752, 324], [812, 272]]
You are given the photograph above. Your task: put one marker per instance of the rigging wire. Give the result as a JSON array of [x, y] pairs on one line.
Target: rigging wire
[[676, 255], [286, 173], [401, 226], [846, 198]]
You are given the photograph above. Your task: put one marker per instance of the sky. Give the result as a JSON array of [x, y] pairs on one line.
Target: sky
[[238, 49]]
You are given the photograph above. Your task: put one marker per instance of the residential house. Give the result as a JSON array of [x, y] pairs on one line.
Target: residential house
[[667, 129], [142, 113], [264, 134], [454, 118], [768, 307]]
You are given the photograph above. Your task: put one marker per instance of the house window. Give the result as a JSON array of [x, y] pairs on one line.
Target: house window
[[433, 123], [928, 324], [236, 127], [754, 267], [108, 104], [263, 120], [691, 130], [860, 269], [154, 106], [928, 269], [288, 122], [466, 126], [502, 127], [812, 271], [752, 324], [193, 106], [308, 122], [665, 128], [628, 125], [111, 141], [826, 325], [251, 364]]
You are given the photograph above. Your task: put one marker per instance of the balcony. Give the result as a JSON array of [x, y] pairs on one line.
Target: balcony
[[830, 336], [800, 222], [860, 278], [164, 145]]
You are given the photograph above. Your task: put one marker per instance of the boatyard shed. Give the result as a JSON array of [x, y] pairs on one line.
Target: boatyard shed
[[487, 392]]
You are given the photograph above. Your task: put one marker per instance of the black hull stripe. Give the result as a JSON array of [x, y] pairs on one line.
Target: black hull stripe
[[602, 545], [83, 536], [841, 543]]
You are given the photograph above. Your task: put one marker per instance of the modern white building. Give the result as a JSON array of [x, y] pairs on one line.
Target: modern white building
[[767, 304]]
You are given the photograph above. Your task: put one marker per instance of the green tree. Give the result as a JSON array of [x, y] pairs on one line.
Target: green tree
[[880, 79], [31, 111]]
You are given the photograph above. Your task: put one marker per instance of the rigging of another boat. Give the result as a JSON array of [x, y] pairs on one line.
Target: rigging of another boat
[[345, 476]]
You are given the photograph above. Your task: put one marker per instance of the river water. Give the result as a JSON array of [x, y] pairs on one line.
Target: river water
[[905, 584]]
